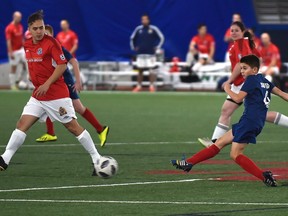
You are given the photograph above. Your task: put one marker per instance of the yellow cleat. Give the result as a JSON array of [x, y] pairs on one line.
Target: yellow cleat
[[46, 138], [103, 136]]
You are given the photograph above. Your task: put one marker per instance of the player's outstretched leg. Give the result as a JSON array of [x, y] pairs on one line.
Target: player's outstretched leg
[[16, 140]]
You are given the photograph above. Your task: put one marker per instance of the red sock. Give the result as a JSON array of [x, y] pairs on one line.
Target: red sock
[[89, 116], [204, 155], [50, 127], [248, 165]]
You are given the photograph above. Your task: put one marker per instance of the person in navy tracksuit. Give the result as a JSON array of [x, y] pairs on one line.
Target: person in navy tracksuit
[[145, 40]]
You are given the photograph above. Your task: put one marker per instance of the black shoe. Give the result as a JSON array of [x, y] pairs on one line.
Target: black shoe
[[269, 180], [3, 165], [182, 164]]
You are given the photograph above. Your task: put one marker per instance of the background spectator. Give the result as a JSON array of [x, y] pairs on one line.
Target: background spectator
[[271, 60], [16, 54], [68, 38], [202, 46], [145, 40]]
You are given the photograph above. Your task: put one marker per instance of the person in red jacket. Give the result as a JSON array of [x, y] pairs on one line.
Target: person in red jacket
[[14, 40], [50, 98], [271, 59], [68, 38], [202, 45]]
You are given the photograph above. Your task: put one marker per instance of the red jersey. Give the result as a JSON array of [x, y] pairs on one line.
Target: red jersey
[[268, 53], [239, 49], [15, 34], [67, 39], [42, 59], [203, 43]]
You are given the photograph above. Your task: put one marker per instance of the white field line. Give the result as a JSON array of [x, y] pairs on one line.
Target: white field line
[[104, 185], [144, 202], [133, 143]]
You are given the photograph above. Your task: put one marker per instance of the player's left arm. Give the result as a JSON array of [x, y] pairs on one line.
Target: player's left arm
[[280, 93], [238, 98], [78, 85], [212, 50]]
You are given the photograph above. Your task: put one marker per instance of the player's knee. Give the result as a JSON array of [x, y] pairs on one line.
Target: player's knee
[[74, 128], [79, 109]]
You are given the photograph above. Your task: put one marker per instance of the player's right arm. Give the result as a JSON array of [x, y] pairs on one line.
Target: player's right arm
[[9, 43], [238, 98], [280, 93]]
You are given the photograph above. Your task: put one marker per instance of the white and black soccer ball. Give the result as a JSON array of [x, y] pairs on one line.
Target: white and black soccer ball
[[106, 167]]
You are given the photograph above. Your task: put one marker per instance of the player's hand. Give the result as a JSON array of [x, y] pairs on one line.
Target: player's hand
[[225, 83], [78, 86], [227, 86], [41, 90]]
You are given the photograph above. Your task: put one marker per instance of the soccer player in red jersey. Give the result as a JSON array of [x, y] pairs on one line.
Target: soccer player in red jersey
[[202, 45], [271, 60], [50, 98], [14, 40], [243, 45], [68, 38], [74, 87], [227, 37]]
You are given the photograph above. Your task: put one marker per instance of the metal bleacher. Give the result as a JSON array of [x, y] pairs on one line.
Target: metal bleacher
[[114, 75], [271, 12]]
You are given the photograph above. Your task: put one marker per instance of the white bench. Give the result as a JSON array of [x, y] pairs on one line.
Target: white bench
[[208, 75]]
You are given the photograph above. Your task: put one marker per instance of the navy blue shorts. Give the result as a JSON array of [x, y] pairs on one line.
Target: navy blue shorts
[[245, 131]]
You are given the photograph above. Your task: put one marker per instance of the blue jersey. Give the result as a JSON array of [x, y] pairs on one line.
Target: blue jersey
[[68, 78], [146, 39], [256, 104]]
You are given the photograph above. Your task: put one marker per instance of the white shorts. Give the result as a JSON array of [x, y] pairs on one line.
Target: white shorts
[[61, 110], [235, 89], [146, 61], [19, 56]]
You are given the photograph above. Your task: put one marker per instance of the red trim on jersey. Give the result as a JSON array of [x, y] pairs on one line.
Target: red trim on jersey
[[40, 58]]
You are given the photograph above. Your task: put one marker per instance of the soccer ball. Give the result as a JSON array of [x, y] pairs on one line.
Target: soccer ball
[[106, 167]]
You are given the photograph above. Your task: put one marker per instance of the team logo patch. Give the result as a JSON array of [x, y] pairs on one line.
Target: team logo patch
[[39, 51], [239, 56], [150, 31], [62, 111], [62, 57]]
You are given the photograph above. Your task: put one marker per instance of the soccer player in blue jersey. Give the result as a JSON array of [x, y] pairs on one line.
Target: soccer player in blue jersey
[[257, 93], [74, 87]]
